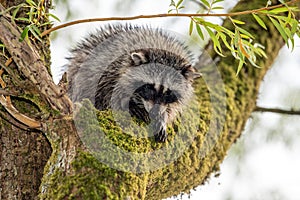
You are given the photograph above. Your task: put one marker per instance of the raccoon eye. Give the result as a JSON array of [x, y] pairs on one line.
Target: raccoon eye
[[147, 92], [170, 96]]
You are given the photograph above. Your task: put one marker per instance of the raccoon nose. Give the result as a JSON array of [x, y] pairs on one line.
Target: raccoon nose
[[158, 123]]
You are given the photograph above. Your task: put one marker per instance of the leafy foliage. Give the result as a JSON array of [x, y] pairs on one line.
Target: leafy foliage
[[36, 18], [212, 5], [287, 26], [176, 6], [241, 43]]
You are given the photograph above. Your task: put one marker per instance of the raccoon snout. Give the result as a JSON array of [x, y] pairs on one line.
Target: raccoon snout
[[158, 122]]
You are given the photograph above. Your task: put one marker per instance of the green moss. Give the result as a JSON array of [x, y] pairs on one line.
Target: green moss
[[92, 179], [176, 172], [93, 175]]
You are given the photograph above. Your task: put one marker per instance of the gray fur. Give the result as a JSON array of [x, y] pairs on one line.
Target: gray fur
[[111, 63]]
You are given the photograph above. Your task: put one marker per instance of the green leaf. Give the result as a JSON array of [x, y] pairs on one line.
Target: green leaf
[[54, 17], [178, 3], [22, 19], [172, 3], [244, 36], [217, 45], [199, 31], [31, 13], [218, 8], [279, 10], [286, 30], [245, 32], [191, 27], [205, 3], [241, 63], [260, 21], [264, 12], [236, 38], [261, 52], [35, 32], [15, 12], [237, 21], [298, 33], [294, 26], [252, 62], [280, 29], [293, 43], [224, 39], [211, 25], [36, 29], [31, 3], [228, 32], [24, 34], [199, 20], [289, 18], [216, 1], [284, 18], [169, 11]]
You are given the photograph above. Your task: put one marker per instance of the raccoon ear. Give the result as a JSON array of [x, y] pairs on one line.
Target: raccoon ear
[[138, 58], [190, 73]]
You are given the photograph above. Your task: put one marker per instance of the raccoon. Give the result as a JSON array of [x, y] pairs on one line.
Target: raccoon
[[138, 69]]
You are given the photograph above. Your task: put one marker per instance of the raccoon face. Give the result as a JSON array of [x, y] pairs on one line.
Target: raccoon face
[[154, 89], [152, 103], [158, 101]]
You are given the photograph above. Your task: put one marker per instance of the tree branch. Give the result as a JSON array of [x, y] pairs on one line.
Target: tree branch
[[5, 101], [164, 15], [7, 104], [277, 110], [32, 66]]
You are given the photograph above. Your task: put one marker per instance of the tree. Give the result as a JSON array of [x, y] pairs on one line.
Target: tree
[[36, 121]]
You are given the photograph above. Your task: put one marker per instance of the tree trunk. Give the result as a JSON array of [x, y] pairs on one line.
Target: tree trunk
[[36, 114], [23, 152]]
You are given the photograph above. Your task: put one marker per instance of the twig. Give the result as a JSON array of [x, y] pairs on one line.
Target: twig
[[163, 15], [5, 101], [277, 110], [6, 116], [30, 123]]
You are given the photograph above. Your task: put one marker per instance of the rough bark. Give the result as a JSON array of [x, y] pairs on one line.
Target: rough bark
[[23, 153], [72, 171]]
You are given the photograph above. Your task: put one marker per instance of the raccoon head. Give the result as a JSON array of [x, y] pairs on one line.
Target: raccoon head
[[155, 89]]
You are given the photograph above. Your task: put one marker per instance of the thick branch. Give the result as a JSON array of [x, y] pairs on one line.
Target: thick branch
[[241, 93], [32, 66]]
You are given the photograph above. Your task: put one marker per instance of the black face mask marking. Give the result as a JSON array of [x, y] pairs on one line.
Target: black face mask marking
[[159, 98]]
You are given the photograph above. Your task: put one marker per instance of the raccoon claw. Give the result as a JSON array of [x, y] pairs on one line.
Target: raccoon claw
[[161, 136]]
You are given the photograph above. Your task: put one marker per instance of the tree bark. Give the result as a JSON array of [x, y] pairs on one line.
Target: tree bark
[[23, 152], [44, 125]]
